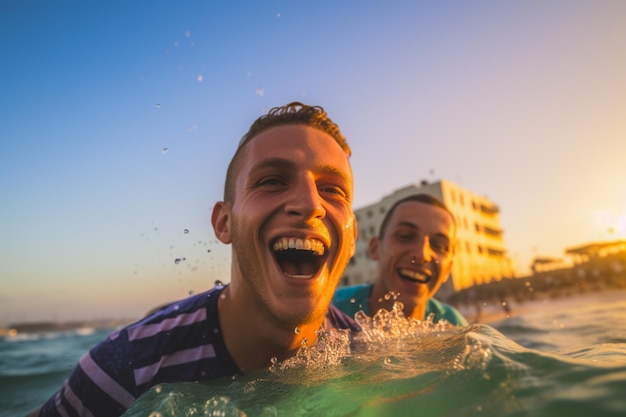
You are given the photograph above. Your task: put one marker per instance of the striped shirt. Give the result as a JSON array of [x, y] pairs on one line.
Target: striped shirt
[[180, 342]]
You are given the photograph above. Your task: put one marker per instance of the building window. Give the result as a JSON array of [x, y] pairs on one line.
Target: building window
[[461, 201], [369, 213], [468, 247], [480, 249]]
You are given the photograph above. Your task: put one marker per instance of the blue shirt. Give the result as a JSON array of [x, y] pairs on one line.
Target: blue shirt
[[354, 298]]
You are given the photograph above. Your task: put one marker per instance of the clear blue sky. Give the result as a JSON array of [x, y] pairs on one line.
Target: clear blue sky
[[118, 118]]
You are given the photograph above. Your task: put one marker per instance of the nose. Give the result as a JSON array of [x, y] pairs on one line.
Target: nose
[[423, 251], [305, 200]]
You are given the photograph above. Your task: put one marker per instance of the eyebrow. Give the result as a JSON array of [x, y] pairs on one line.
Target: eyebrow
[[274, 163], [288, 164], [416, 227]]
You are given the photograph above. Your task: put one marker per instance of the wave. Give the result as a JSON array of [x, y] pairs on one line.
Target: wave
[[408, 370]]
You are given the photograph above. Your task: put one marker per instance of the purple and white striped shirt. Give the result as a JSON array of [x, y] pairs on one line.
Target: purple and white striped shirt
[[180, 342]]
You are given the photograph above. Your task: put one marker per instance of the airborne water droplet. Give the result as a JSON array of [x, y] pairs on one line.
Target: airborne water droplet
[[297, 330], [164, 151], [186, 231], [219, 283]]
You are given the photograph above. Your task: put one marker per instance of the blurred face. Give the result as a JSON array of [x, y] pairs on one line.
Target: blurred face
[[415, 253], [291, 223]]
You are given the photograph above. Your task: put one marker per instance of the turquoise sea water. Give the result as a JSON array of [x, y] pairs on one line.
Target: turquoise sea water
[[553, 358]]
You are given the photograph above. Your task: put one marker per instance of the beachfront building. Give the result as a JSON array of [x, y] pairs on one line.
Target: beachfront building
[[480, 252]]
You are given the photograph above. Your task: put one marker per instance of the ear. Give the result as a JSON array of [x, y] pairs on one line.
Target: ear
[[355, 232], [220, 219], [449, 273], [372, 250]]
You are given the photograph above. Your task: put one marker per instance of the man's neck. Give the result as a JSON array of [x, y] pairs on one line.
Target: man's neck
[[253, 337]]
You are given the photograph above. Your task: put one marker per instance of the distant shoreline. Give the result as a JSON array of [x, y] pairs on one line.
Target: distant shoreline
[[49, 326], [494, 312]]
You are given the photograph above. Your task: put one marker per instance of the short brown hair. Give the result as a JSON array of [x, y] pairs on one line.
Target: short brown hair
[[294, 113], [418, 198]]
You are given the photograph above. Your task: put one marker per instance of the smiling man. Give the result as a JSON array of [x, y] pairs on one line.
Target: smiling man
[[287, 212], [414, 250]]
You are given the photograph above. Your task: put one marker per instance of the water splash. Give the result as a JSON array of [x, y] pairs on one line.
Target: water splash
[[398, 365]]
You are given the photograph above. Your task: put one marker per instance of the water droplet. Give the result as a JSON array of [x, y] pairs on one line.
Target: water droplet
[[186, 231], [219, 283], [297, 330], [353, 300], [209, 251], [274, 360], [387, 297], [158, 388], [158, 105], [260, 91], [164, 151], [190, 292], [200, 78], [179, 260]]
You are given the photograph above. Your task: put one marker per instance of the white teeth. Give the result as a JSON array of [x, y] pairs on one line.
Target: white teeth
[[419, 276], [312, 245]]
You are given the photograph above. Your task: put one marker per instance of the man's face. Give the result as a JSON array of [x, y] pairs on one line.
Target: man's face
[[293, 228], [415, 253]]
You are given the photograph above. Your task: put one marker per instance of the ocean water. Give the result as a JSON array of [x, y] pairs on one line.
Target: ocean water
[[551, 358]]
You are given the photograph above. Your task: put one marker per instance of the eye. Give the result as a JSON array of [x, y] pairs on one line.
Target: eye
[[405, 237], [439, 246], [335, 190], [270, 181]]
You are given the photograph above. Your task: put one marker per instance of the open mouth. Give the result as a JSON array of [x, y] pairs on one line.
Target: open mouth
[[414, 276], [299, 258]]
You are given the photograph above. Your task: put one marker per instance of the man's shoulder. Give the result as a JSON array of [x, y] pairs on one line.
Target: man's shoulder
[[445, 311], [337, 319], [344, 293], [352, 299]]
